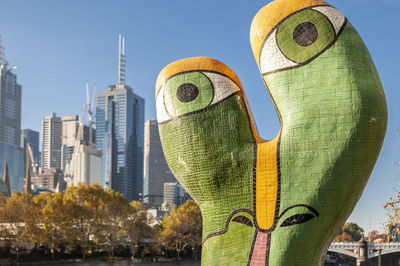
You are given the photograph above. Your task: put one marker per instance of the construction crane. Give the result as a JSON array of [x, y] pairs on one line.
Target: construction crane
[[69, 169], [87, 108]]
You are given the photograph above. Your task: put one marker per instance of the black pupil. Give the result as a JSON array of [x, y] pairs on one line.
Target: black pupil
[[305, 34], [187, 92]]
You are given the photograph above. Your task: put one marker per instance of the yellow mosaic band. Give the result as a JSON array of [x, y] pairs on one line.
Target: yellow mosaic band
[[267, 183]]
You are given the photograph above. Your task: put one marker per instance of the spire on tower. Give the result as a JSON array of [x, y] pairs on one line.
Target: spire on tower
[[121, 59], [27, 185], [6, 178]]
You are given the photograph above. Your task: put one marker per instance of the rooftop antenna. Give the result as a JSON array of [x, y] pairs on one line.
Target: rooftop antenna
[[3, 61], [121, 59]]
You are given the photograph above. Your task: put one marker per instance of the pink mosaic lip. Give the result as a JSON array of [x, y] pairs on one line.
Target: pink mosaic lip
[[259, 255]]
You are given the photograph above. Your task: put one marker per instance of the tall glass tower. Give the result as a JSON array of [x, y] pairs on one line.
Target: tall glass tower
[[119, 135], [10, 124]]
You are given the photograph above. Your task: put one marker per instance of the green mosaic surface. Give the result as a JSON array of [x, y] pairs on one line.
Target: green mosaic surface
[[333, 121], [336, 125]]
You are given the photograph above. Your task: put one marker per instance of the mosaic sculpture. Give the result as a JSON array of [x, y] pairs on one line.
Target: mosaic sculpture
[[276, 202]]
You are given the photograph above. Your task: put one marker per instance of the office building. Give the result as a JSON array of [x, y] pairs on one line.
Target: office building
[[51, 180], [119, 135], [31, 137], [51, 142], [87, 166], [10, 102], [155, 168], [10, 124], [15, 158], [69, 135], [173, 195], [69, 131]]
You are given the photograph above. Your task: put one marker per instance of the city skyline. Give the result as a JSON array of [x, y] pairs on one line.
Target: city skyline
[[56, 59]]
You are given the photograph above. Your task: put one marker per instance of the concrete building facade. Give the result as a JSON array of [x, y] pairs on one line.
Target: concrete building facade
[[51, 142], [87, 166], [51, 180], [155, 168], [69, 131]]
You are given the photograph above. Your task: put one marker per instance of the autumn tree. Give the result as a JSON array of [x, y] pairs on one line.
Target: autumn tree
[[393, 211], [53, 219], [137, 226], [343, 237], [181, 228], [84, 210], [114, 212], [375, 236], [350, 232], [18, 221]]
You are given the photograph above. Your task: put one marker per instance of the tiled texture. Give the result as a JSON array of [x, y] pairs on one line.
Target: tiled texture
[[277, 202]]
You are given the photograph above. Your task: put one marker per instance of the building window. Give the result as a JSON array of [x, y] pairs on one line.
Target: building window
[[9, 134], [10, 108]]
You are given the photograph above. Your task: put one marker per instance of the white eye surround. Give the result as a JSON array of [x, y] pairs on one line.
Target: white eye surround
[[273, 59], [222, 85]]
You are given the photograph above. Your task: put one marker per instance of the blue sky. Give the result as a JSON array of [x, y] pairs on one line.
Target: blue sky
[[59, 45]]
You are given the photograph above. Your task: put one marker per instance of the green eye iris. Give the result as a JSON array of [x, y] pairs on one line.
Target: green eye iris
[[187, 93], [304, 35]]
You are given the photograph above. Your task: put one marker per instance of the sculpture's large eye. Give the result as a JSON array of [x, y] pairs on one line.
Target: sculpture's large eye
[[191, 92], [300, 38], [187, 92]]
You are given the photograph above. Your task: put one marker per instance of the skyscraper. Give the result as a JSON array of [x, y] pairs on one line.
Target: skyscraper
[[10, 101], [119, 134], [87, 166], [51, 142], [10, 124], [31, 137], [68, 135], [155, 168]]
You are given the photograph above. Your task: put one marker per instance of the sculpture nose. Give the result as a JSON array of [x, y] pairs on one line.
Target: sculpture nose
[[267, 185]]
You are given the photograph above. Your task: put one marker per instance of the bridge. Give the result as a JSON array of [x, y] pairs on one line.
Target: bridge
[[363, 250]]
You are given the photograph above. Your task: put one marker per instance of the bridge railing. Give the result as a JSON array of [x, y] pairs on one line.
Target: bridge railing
[[352, 248], [346, 248]]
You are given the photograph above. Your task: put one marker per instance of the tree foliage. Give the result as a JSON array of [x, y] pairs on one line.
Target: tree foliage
[[375, 236], [343, 237], [18, 221], [137, 226], [85, 218], [350, 232], [88, 219], [393, 221], [181, 229]]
